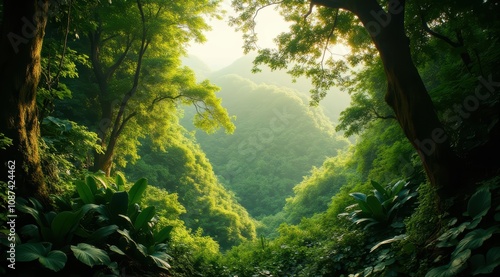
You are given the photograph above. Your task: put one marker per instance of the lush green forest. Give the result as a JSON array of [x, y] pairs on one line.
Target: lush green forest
[[122, 156]]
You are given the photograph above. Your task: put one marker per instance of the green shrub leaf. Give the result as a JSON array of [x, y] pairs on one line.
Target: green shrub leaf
[[457, 264], [120, 181], [144, 217], [84, 192], [65, 223], [101, 233], [159, 261], [91, 182], [28, 252], [479, 203], [90, 255], [164, 234], [53, 260], [119, 203], [482, 265], [136, 191], [375, 207], [474, 239], [380, 189]]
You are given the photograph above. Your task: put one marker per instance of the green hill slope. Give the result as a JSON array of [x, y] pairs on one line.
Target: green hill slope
[[278, 139]]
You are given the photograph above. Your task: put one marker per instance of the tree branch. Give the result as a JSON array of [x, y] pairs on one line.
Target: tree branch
[[257, 13], [377, 115], [124, 122], [111, 70], [144, 43], [435, 34], [334, 4], [329, 37], [161, 98], [65, 44]]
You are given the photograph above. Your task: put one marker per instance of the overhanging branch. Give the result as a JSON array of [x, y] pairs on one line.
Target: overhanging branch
[[334, 4]]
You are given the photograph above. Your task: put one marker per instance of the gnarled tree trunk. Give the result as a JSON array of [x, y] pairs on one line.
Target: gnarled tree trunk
[[406, 92], [408, 96], [22, 29]]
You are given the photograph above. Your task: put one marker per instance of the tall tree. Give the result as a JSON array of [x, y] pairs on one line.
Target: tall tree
[[135, 50], [318, 23], [22, 29]]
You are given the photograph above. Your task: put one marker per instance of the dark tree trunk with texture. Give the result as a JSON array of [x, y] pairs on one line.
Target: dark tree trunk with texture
[[408, 96], [22, 29], [406, 92]]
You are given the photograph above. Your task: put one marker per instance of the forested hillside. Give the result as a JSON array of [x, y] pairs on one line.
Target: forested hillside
[[184, 170], [277, 141], [122, 156]]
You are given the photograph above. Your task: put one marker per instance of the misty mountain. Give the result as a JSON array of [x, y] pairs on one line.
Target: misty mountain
[[278, 138], [334, 102]]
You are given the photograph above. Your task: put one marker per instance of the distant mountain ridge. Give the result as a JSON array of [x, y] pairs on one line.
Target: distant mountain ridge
[[278, 138], [334, 102]]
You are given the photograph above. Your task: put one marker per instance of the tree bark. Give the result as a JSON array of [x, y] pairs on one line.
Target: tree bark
[[23, 26], [408, 96], [406, 92], [112, 125]]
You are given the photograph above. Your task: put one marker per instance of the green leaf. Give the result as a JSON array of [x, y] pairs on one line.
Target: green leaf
[[117, 250], [120, 181], [101, 233], [365, 219], [159, 261], [164, 234], [391, 240], [91, 182], [84, 192], [31, 231], [361, 200], [474, 239], [485, 265], [376, 208], [100, 181], [477, 263], [479, 203], [497, 217], [398, 187], [119, 203], [454, 232], [65, 223], [458, 263], [144, 217], [380, 189], [359, 196], [31, 251], [23, 207], [492, 260], [90, 255], [53, 260], [136, 191]]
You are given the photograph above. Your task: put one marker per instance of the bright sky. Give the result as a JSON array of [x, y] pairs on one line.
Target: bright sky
[[224, 44]]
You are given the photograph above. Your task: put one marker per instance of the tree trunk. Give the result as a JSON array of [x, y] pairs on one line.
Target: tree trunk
[[23, 26], [104, 161], [408, 96], [111, 125]]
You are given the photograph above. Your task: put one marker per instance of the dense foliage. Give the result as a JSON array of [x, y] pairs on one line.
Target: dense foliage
[[284, 194], [184, 169], [275, 127]]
